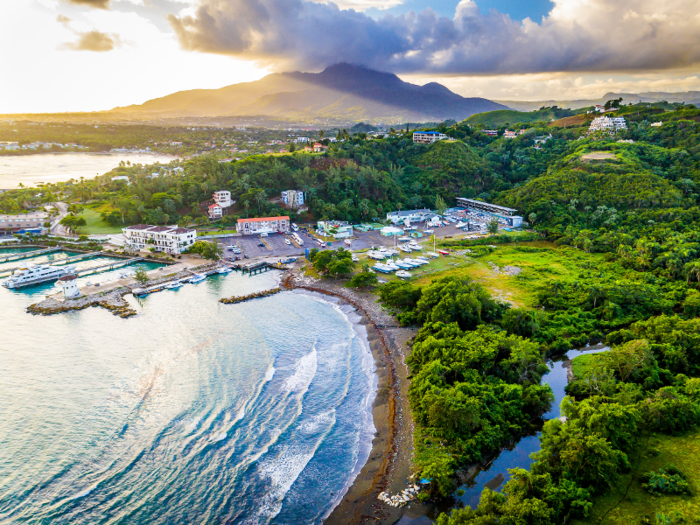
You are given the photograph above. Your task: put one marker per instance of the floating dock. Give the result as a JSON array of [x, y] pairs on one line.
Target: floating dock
[[26, 255]]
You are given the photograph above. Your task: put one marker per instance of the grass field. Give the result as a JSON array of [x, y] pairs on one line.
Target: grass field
[[95, 224], [630, 504]]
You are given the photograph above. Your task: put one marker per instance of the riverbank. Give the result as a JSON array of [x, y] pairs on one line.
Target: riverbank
[[389, 465]]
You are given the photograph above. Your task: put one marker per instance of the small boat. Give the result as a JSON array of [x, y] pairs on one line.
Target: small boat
[[224, 269], [443, 252], [174, 285], [403, 265], [197, 278], [433, 255], [382, 249], [403, 274], [421, 259], [375, 255], [383, 268], [411, 263], [405, 248], [392, 265], [354, 258]]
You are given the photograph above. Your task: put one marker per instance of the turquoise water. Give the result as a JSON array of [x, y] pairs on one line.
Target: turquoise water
[[190, 412]]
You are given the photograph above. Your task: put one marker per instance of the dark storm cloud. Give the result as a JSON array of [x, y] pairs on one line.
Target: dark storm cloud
[[98, 4], [597, 35]]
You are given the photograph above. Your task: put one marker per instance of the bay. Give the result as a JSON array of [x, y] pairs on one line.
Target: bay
[[190, 412], [61, 167]]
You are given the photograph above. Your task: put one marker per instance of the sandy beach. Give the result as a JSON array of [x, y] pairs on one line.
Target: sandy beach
[[389, 465]]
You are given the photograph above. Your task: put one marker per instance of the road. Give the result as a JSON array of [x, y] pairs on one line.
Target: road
[[58, 229]]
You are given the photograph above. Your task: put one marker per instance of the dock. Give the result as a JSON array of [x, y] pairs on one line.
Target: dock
[[108, 266], [61, 262], [26, 255]]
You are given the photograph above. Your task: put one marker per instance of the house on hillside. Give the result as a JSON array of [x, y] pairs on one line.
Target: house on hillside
[[293, 198], [611, 124], [215, 211], [427, 137], [319, 148]]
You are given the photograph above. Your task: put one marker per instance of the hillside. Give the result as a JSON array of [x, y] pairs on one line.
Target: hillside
[[343, 90], [688, 97], [507, 117]]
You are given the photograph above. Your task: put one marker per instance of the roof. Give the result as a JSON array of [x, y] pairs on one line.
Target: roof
[[473, 201], [68, 278], [215, 205], [260, 219], [406, 213], [182, 230], [427, 132], [140, 227], [159, 229]]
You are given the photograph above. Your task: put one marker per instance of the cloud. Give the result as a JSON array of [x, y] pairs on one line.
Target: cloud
[[89, 40], [576, 36], [98, 4]]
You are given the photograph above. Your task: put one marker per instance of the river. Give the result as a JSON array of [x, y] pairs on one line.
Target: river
[[60, 167], [495, 474], [190, 412]]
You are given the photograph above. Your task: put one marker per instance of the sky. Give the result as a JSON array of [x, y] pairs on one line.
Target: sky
[[87, 55]]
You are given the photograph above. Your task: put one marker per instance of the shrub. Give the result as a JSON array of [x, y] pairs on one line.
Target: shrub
[[668, 480]]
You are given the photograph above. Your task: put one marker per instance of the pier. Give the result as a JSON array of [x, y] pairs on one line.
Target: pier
[[88, 255], [108, 266], [26, 255]]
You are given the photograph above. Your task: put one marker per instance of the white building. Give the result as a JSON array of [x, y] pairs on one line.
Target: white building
[[293, 198], [409, 216], [168, 239], [427, 137], [215, 211], [299, 140], [262, 225], [69, 285], [611, 124], [223, 198], [9, 145], [120, 177]]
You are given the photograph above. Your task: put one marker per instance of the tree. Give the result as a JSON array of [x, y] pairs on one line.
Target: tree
[[141, 276], [364, 280], [492, 225], [212, 251], [440, 205]]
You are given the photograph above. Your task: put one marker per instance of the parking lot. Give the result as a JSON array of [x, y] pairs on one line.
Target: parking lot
[[274, 245]]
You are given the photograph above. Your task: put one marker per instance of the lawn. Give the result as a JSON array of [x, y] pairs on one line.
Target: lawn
[[630, 504], [95, 224]]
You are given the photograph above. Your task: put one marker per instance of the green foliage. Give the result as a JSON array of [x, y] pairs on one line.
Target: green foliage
[[334, 263], [667, 480], [141, 276], [364, 279]]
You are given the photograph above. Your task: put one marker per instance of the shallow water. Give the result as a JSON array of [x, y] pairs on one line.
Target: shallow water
[[191, 412], [61, 167]]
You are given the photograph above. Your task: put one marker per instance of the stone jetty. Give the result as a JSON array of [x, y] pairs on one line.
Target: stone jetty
[[112, 300], [249, 297]]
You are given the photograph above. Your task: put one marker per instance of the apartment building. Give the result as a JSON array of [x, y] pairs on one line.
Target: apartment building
[[262, 225], [168, 239]]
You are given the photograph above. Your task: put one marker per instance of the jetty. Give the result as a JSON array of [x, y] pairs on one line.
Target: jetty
[[73, 258], [243, 298]]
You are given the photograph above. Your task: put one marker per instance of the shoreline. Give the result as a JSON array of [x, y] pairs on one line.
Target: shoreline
[[389, 463]]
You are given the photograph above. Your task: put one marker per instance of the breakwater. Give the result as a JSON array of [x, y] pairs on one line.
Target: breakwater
[[243, 298]]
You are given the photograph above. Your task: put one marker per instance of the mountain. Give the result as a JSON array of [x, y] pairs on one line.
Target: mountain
[[340, 91], [689, 97]]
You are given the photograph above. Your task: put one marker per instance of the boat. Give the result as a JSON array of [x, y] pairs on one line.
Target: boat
[[443, 252], [383, 268], [433, 255], [422, 259], [403, 274], [224, 269], [375, 255], [392, 265], [403, 265], [405, 248], [382, 249], [404, 239], [393, 252], [355, 258], [41, 273], [174, 285], [197, 278], [411, 262]]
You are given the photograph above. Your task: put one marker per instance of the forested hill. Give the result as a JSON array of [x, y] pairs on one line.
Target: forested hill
[[340, 91]]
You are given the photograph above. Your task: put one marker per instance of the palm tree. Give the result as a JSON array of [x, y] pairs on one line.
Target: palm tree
[[595, 294]]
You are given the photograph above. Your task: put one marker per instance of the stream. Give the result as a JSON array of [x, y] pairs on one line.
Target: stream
[[495, 475]]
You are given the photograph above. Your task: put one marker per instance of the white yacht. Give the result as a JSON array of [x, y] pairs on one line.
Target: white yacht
[[403, 274], [41, 273]]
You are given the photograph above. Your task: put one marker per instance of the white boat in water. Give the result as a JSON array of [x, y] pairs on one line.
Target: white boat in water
[[224, 269], [197, 278], [41, 273], [174, 285], [403, 274]]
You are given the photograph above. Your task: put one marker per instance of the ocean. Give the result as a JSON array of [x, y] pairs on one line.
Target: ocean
[[191, 412]]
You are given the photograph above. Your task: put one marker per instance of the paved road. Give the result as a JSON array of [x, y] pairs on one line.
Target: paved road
[[58, 229]]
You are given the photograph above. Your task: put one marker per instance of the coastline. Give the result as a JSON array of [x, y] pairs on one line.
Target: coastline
[[389, 463]]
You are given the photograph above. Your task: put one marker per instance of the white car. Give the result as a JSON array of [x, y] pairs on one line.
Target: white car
[[429, 231], [287, 242]]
